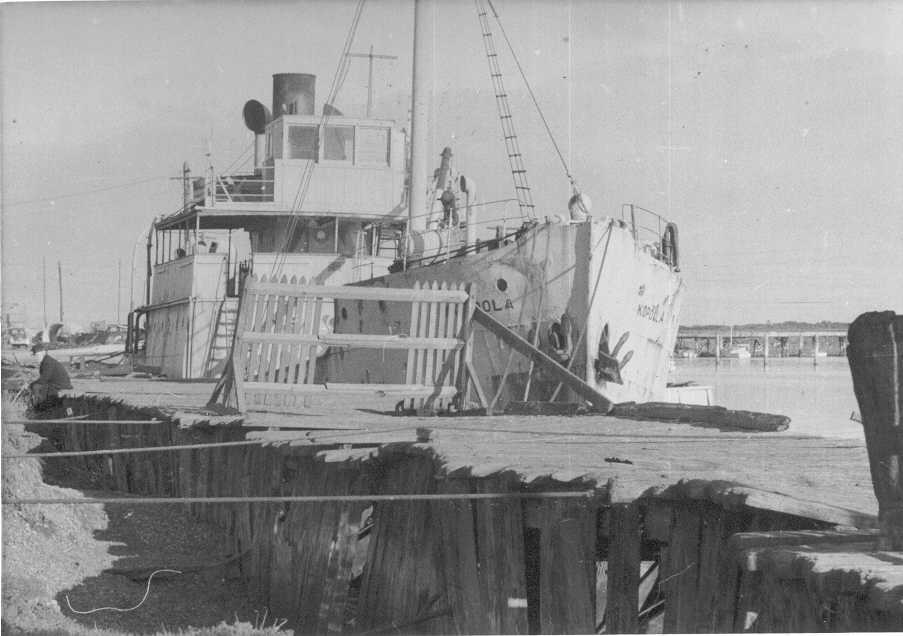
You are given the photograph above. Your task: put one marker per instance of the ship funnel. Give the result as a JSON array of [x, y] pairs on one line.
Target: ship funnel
[[293, 94], [256, 116]]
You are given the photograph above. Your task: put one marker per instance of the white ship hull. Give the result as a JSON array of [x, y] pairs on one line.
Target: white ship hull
[[617, 303]]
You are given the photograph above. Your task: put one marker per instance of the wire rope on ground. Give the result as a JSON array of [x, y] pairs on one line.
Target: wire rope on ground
[[475, 496], [119, 609]]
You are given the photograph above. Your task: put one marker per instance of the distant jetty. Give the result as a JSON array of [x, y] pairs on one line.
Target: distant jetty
[[781, 340]]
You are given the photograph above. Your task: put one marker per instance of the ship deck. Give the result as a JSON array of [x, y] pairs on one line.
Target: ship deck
[[818, 478]]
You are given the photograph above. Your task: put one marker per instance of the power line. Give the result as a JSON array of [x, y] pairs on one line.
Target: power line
[[68, 195]]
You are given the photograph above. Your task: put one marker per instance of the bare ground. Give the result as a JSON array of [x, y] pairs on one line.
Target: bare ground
[[99, 556]]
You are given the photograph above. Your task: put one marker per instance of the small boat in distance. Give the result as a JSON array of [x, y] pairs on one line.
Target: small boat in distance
[[740, 351]]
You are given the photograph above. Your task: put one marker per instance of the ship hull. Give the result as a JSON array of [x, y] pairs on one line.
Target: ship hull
[[585, 293]]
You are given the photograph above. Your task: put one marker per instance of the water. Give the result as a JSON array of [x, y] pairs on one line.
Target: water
[[818, 399]]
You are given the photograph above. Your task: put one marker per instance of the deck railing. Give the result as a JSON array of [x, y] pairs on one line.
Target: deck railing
[[258, 187]]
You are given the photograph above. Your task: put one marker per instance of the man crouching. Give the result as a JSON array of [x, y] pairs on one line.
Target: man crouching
[[52, 378]]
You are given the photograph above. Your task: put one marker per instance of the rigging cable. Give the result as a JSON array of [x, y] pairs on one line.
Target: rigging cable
[[338, 81], [523, 75], [68, 195]]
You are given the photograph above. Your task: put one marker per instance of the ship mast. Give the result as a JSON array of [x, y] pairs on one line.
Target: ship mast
[[421, 92]]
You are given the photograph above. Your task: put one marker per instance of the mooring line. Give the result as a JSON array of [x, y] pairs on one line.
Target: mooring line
[[477, 496]]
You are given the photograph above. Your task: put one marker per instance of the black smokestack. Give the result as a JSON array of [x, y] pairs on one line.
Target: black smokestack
[[293, 94]]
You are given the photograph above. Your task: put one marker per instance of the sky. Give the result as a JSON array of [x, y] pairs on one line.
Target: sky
[[770, 132]]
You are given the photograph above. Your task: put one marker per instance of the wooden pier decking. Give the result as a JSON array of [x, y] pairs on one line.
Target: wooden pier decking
[[592, 523], [826, 478]]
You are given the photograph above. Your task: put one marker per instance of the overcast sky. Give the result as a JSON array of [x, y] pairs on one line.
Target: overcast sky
[[772, 133]]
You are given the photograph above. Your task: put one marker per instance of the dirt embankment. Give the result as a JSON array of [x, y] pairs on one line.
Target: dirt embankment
[[60, 558], [45, 548]]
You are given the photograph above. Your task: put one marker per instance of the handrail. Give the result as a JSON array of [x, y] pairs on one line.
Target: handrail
[[229, 187], [662, 238]]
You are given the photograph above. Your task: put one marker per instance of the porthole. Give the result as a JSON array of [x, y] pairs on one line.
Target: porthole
[[502, 284]]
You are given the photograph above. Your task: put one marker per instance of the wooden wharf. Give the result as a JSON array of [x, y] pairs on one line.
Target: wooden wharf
[[683, 527], [763, 343]]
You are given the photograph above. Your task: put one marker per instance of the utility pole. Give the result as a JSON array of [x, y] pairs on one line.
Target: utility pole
[[118, 293], [59, 271], [185, 178], [370, 56], [44, 290]]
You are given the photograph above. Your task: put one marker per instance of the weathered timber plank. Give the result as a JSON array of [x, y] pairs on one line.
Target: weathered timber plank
[[680, 569], [402, 582], [374, 341], [622, 606], [312, 349], [734, 496], [716, 527], [729, 575], [442, 309], [338, 572], [253, 389], [460, 563], [875, 353], [744, 547], [342, 292], [567, 568], [499, 530], [301, 477], [748, 605], [414, 329], [576, 384], [279, 326], [319, 526], [429, 372]]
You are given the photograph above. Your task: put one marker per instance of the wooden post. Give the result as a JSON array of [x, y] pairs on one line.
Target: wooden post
[[815, 350], [622, 607], [717, 349], [680, 570], [876, 363], [765, 352]]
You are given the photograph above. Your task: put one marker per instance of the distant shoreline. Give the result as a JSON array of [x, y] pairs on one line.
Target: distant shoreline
[[767, 327]]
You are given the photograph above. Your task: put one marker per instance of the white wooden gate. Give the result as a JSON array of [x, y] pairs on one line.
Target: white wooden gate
[[274, 356]]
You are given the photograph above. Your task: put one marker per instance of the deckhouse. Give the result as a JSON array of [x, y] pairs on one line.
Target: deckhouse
[[326, 200]]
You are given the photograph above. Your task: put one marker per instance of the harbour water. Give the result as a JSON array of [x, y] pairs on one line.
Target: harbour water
[[818, 399]]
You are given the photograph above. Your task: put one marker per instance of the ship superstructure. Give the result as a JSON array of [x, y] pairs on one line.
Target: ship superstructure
[[326, 202]]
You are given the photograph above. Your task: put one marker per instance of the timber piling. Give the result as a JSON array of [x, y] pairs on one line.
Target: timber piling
[[876, 362]]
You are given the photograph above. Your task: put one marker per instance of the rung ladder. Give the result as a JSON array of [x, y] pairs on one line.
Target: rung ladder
[[515, 158]]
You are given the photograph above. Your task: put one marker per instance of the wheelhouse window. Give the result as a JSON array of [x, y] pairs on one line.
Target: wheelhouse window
[[372, 146], [322, 235], [302, 142], [339, 143]]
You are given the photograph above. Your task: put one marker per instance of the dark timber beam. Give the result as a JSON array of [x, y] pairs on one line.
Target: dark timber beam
[[875, 354], [568, 379]]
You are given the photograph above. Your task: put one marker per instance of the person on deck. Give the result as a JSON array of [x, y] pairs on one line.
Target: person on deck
[[449, 208], [52, 377]]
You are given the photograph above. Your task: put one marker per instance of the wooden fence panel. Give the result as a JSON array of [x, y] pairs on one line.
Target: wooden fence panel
[[277, 338]]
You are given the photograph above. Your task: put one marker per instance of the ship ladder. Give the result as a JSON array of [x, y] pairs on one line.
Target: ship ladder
[[512, 148], [221, 337]]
